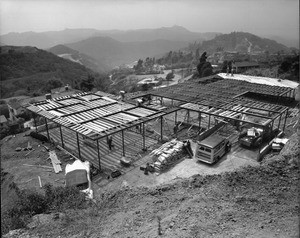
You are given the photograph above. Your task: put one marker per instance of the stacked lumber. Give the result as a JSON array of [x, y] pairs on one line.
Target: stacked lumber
[[168, 154], [55, 161]]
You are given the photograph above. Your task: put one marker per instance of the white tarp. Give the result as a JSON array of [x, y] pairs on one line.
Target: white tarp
[[79, 165], [261, 80]]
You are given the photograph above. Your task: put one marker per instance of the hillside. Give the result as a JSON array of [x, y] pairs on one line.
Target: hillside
[[51, 38], [29, 69], [115, 53], [75, 56], [260, 201], [241, 42]]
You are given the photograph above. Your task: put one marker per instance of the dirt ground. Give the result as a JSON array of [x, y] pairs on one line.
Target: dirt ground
[[223, 200], [16, 163]]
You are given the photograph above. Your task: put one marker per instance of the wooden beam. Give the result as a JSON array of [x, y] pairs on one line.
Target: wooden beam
[[286, 115], [161, 128], [143, 136], [78, 145], [61, 137], [98, 152], [123, 146], [47, 128]]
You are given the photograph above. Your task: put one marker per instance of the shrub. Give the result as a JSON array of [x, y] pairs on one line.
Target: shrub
[[62, 198], [30, 203]]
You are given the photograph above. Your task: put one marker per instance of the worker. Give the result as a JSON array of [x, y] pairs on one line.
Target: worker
[[109, 142], [175, 129]]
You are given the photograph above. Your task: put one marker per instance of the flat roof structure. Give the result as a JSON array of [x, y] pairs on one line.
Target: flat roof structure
[[229, 99], [93, 115]]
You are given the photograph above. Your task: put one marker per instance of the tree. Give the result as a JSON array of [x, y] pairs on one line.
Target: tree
[[170, 76], [87, 84], [204, 68], [139, 66]]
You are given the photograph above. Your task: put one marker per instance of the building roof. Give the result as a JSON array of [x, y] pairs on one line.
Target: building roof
[[93, 115], [264, 81], [3, 119], [245, 64], [211, 141]]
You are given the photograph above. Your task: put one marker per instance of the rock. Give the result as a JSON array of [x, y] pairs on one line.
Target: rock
[[172, 224], [18, 149]]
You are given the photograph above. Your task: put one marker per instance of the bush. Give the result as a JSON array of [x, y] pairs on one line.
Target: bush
[[30, 203], [62, 198]]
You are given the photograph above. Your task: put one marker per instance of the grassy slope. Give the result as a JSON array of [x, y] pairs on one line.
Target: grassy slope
[[253, 202]]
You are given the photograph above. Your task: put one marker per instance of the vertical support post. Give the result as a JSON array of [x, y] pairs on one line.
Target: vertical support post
[[47, 129], [161, 101], [78, 145], [172, 103], [143, 136], [175, 117], [61, 137], [123, 146], [161, 128], [188, 116], [279, 121], [35, 124], [286, 115], [199, 118], [208, 122], [98, 151]]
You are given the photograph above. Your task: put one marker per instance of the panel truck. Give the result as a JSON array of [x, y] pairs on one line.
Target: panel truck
[[212, 149], [211, 146]]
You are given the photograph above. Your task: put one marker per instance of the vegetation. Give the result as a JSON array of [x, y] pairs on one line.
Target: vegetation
[[204, 68], [35, 72], [30, 203]]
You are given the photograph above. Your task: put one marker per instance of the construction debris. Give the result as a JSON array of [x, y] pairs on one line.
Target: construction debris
[[55, 161]]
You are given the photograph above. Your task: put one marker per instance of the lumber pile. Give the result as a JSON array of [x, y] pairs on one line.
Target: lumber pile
[[55, 161], [167, 155]]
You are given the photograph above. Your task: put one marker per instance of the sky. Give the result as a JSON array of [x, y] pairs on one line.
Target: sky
[[262, 17]]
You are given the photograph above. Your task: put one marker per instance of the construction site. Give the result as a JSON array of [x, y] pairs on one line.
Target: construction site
[[214, 156], [82, 124]]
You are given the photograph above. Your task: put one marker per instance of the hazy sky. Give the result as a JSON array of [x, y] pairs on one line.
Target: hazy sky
[[263, 17]]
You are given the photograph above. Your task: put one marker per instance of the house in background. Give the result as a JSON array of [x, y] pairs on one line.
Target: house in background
[[240, 67], [3, 121], [14, 108]]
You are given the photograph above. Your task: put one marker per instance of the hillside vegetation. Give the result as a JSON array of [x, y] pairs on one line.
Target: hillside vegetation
[[29, 70], [241, 42]]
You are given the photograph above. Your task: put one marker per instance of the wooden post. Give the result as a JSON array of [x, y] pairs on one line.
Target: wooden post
[[98, 151], [78, 146], [161, 128], [287, 110], [208, 122], [123, 147], [279, 121], [35, 124], [175, 117], [199, 121], [143, 136], [47, 129], [188, 115], [61, 137]]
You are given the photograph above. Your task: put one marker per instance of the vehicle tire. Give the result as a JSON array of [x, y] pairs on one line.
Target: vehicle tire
[[228, 147], [258, 142]]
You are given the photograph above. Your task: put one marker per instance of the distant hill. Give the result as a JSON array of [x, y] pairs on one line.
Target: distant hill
[[114, 53], [75, 56], [174, 33], [51, 38], [241, 42], [30, 69]]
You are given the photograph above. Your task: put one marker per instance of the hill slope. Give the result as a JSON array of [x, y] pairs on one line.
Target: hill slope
[[30, 69], [241, 42], [114, 53], [51, 38], [75, 56]]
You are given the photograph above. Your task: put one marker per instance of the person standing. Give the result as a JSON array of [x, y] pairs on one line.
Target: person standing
[[109, 142]]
